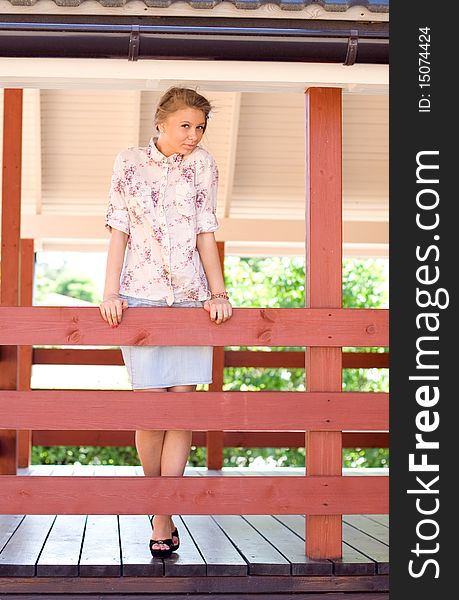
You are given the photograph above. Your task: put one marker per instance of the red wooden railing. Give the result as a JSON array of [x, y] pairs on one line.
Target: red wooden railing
[[214, 441], [232, 358], [322, 412], [200, 411]]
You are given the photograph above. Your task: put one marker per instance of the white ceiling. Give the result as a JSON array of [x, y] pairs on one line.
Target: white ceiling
[[71, 136]]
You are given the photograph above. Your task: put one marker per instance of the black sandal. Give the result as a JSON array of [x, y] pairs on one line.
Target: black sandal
[[158, 552], [175, 533]]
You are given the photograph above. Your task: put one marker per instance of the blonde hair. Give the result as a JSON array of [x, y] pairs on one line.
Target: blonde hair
[[176, 98]]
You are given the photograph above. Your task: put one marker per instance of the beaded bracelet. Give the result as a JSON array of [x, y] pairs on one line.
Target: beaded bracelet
[[220, 295]]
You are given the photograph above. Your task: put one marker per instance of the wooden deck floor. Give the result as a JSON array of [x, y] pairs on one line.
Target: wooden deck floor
[[242, 556]]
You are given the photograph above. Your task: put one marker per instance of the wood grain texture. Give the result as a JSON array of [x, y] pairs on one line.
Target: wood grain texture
[[8, 444], [290, 544], [10, 253], [295, 360], [25, 353], [194, 495], [57, 409], [381, 519], [323, 453], [231, 439], [369, 546], [323, 117], [351, 563], [258, 584], [225, 596], [214, 442], [135, 533], [20, 555], [369, 526], [191, 326], [323, 246], [61, 549], [204, 542], [11, 196], [220, 555], [188, 560], [8, 525], [262, 557], [232, 358], [100, 552]]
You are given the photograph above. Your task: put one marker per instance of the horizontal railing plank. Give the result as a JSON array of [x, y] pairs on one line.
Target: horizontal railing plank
[[194, 495], [191, 326], [233, 358], [199, 411], [231, 439], [295, 359]]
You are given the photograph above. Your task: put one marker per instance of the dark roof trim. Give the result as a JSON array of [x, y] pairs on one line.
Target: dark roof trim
[[211, 38]]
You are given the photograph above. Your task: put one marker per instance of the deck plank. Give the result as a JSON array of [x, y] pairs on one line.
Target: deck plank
[[135, 533], [100, 554], [261, 556], [368, 546], [18, 558], [382, 519], [287, 596], [352, 561], [290, 545], [371, 528], [187, 560], [219, 553], [61, 552], [269, 584], [8, 525]]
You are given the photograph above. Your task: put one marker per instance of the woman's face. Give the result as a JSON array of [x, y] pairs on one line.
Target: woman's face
[[181, 131]]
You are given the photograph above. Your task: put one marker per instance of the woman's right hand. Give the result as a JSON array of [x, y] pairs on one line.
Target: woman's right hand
[[111, 308]]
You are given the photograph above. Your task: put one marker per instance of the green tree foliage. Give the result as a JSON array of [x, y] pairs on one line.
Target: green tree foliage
[[45, 281], [81, 287], [62, 281], [274, 282]]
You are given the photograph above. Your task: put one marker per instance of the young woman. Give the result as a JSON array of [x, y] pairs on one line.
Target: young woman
[[162, 208]]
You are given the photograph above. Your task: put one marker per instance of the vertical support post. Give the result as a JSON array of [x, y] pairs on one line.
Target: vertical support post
[[11, 225], [215, 438], [25, 352], [323, 290]]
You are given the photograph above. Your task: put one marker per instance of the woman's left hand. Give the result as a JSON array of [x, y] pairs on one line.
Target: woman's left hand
[[219, 309]]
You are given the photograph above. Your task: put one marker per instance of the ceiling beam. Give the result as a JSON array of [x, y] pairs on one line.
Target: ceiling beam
[[91, 228], [158, 75]]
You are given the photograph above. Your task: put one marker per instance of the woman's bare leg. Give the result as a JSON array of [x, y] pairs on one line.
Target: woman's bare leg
[[177, 443], [176, 447], [149, 444]]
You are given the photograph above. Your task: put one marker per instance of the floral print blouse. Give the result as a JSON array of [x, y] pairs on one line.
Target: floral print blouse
[[162, 203]]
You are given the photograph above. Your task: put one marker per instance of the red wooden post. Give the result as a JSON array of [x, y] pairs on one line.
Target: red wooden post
[[215, 438], [25, 352], [11, 225], [323, 290]]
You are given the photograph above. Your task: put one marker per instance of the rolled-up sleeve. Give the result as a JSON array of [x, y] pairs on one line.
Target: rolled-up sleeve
[[117, 215], [206, 197]]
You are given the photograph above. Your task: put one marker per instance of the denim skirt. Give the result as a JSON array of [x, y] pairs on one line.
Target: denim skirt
[[165, 366]]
